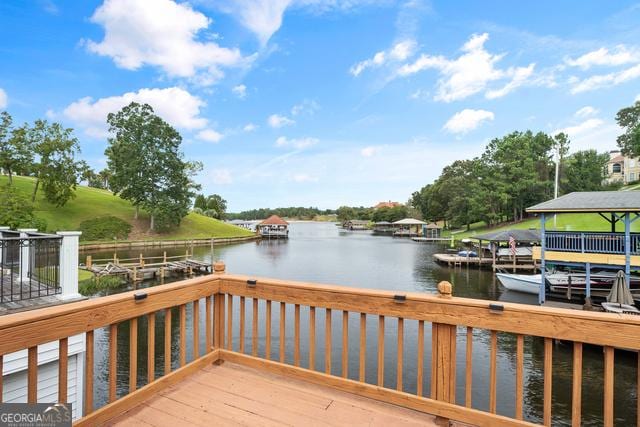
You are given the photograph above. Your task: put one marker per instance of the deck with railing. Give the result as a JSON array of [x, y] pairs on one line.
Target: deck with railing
[[222, 304], [586, 242]]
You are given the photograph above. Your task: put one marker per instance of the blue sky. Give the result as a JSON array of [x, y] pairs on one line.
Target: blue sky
[[324, 102]]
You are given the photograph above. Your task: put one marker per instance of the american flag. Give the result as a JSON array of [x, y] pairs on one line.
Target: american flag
[[512, 245]]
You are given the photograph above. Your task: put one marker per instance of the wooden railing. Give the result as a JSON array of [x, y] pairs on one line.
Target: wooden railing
[[289, 345], [602, 243]]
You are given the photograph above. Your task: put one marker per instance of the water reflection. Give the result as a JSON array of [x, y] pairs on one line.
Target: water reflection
[[321, 253]]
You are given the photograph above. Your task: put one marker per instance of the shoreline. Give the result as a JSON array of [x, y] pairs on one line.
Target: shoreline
[[130, 244]]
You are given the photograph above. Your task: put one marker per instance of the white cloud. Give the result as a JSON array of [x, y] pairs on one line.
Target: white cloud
[[175, 105], [585, 112], [4, 99], [161, 33], [277, 121], [240, 91], [221, 176], [249, 127], [50, 114], [419, 94], [305, 107], [605, 80], [469, 73], [297, 143], [303, 177], [210, 135], [467, 120], [621, 55], [400, 51], [581, 128], [369, 151]]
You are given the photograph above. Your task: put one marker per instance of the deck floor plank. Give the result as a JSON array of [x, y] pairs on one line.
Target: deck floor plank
[[230, 394]]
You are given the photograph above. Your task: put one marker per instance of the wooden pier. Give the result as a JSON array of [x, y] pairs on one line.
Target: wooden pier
[[141, 268], [453, 260]]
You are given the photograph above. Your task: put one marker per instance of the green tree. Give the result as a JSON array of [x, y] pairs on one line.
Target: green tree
[[147, 165], [629, 120], [200, 202], [584, 171], [217, 206], [17, 211], [56, 167], [15, 150]]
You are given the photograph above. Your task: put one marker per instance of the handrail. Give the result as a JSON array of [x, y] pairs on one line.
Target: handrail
[[226, 298]]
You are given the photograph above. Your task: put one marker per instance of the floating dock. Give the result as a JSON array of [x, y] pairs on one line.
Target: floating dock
[[453, 260]]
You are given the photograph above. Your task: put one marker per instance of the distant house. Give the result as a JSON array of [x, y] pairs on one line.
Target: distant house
[[621, 168], [388, 204]]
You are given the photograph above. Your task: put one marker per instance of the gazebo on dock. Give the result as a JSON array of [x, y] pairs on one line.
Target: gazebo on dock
[[603, 250], [520, 257], [273, 227], [408, 227]]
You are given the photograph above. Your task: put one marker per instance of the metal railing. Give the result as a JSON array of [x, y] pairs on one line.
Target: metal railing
[[607, 243], [29, 265]]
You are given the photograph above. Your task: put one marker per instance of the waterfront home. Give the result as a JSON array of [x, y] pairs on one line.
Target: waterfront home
[[273, 227], [388, 204], [616, 250], [622, 169], [408, 227]]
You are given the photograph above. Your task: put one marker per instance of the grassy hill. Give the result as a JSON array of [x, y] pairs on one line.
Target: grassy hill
[[92, 202]]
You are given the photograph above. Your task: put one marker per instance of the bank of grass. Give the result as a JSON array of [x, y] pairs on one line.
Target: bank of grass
[[562, 222], [92, 202]]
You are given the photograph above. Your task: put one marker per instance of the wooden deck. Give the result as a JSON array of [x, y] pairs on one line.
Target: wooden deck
[[231, 394]]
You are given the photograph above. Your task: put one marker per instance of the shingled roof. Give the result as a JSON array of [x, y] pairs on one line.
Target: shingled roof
[[591, 201], [505, 235], [274, 220]]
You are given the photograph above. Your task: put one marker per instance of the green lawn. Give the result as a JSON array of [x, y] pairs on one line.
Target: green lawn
[[563, 222], [92, 202]]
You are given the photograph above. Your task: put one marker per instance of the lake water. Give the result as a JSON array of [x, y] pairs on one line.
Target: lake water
[[321, 252]]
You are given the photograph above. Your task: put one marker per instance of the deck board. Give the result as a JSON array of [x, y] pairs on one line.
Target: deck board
[[230, 394]]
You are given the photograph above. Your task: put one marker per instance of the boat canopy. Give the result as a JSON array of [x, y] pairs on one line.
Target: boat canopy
[[591, 201], [409, 221], [504, 236]]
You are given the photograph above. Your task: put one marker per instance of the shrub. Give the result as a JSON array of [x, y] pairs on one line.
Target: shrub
[[104, 228], [99, 285], [16, 211]]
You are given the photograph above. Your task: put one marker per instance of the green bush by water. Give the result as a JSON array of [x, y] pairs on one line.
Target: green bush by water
[[104, 228]]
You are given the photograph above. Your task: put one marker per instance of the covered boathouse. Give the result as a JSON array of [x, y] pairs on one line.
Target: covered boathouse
[[615, 249], [273, 227]]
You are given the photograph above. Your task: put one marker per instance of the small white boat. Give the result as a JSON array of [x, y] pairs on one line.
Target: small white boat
[[529, 284], [614, 307]]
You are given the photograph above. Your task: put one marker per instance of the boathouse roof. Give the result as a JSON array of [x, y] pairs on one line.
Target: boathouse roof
[[274, 220], [433, 226], [505, 235], [591, 201], [409, 221]]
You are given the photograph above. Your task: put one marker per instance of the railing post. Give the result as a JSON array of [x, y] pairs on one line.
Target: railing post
[[68, 269], [445, 354], [582, 242], [218, 269], [25, 254], [543, 248], [2, 228]]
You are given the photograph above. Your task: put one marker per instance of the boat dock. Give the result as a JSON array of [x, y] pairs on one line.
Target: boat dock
[[141, 268], [453, 260], [432, 239]]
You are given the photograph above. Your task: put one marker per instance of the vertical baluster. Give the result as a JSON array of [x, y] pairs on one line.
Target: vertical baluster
[[32, 375], [296, 336], [167, 341], [283, 316], [327, 341], [196, 329], [230, 322], [492, 372], [151, 347], [608, 386], [242, 315], [133, 354], [254, 329], [218, 321], [63, 352], [208, 329], [312, 338], [183, 334], [345, 344], [469, 368], [381, 351], [548, 366], [576, 395], [363, 346], [400, 358], [113, 360], [434, 359], [420, 365], [88, 374], [267, 352], [519, 374]]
